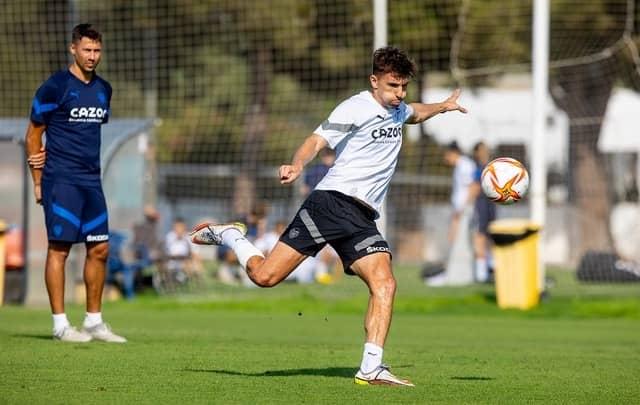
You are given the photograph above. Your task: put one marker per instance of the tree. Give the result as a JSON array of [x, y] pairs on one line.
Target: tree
[[582, 89]]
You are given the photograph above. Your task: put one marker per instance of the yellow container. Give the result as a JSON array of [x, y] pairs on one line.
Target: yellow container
[[515, 254]]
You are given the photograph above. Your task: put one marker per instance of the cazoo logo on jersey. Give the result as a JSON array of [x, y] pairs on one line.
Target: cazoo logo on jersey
[[87, 114], [386, 133]]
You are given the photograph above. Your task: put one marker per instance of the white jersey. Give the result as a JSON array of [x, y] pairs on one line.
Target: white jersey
[[463, 177], [367, 138], [177, 246]]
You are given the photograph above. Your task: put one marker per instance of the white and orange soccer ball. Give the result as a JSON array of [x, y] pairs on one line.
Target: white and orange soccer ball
[[504, 180]]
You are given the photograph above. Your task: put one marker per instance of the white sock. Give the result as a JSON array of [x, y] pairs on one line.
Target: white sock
[[240, 246], [60, 322], [482, 270], [371, 358], [92, 319]]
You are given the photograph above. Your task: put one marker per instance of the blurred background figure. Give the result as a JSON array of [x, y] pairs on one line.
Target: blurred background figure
[[147, 246], [181, 262], [14, 262], [484, 213], [314, 173], [459, 263], [267, 238], [121, 273]]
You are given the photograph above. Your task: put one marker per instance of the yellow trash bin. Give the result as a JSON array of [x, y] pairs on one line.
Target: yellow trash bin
[[515, 254]]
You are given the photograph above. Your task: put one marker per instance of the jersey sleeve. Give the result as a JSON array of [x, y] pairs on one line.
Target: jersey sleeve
[[407, 112], [109, 91], [339, 124], [477, 174], [45, 102], [464, 176]]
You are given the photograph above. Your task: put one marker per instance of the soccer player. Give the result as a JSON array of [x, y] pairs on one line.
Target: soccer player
[[366, 133], [484, 214], [70, 106]]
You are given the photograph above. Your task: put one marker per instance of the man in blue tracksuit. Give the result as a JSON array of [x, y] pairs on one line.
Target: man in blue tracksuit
[[70, 106]]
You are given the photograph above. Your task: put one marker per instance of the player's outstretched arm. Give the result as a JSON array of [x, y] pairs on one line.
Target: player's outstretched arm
[[34, 150], [305, 153], [422, 112]]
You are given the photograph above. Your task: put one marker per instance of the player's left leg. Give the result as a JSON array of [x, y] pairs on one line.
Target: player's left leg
[[95, 230], [94, 274], [375, 270]]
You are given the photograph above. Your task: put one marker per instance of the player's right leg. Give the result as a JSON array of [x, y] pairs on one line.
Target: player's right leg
[[57, 254], [264, 272], [95, 234], [62, 231]]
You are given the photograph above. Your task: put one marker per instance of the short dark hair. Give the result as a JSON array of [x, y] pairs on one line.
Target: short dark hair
[[393, 60], [453, 147], [85, 30], [477, 146]]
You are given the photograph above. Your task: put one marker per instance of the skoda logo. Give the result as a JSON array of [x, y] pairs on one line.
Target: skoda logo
[[294, 233]]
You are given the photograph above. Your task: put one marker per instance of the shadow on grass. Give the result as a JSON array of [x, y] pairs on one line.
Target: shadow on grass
[[490, 297], [472, 378], [33, 336], [346, 372]]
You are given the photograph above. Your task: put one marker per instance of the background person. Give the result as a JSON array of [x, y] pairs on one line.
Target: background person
[[484, 214], [71, 106], [181, 261], [459, 263]]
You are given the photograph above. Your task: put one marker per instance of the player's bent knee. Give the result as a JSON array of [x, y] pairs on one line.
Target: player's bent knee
[[263, 279], [99, 251]]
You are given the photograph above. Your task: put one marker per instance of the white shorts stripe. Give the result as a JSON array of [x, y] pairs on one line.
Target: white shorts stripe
[[368, 242], [311, 226]]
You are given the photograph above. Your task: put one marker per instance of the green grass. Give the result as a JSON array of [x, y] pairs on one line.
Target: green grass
[[302, 344]]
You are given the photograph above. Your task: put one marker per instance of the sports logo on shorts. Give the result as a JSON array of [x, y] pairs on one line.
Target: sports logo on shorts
[[373, 249], [57, 229], [294, 233], [97, 238]]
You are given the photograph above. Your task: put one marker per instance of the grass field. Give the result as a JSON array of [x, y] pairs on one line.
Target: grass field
[[302, 344]]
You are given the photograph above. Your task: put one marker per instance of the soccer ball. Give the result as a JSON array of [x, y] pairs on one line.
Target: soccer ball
[[504, 180]]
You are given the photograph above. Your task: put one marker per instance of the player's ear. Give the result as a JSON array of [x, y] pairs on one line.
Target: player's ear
[[373, 79], [72, 49]]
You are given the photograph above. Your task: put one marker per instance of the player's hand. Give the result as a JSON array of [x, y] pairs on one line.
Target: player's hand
[[451, 103], [289, 173], [36, 160], [37, 192]]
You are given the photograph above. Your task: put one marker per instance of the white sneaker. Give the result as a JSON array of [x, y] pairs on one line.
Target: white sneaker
[[103, 332], [71, 334], [380, 376], [211, 234]]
